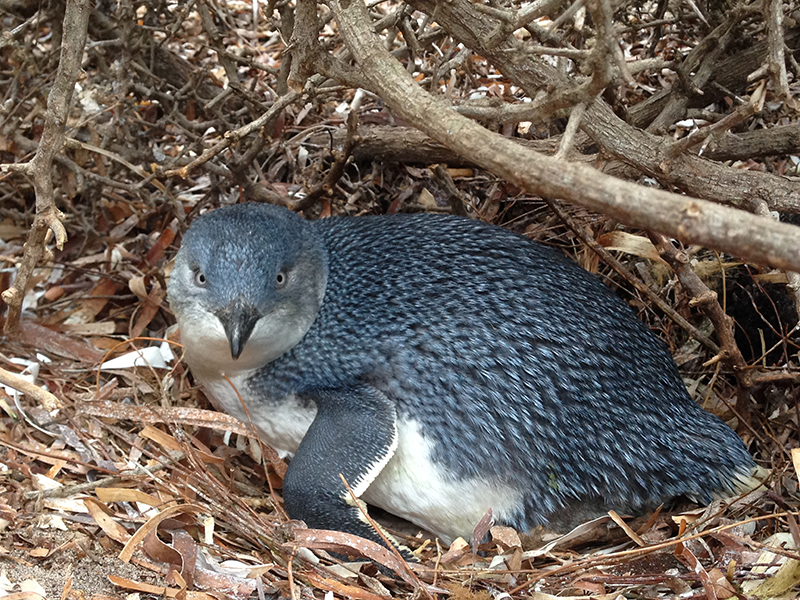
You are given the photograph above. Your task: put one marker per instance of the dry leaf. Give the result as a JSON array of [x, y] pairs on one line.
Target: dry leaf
[[152, 523], [101, 516], [506, 536], [113, 494]]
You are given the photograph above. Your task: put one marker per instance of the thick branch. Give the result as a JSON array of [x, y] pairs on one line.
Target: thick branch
[[783, 139], [693, 221], [647, 153], [407, 145], [693, 174], [19, 383]]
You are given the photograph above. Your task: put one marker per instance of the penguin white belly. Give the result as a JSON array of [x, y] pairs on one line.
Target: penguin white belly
[[411, 486], [282, 424]]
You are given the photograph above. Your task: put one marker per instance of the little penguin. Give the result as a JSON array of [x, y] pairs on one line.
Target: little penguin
[[444, 367]]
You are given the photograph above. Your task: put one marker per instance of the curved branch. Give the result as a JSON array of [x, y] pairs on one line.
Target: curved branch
[[693, 221], [646, 152]]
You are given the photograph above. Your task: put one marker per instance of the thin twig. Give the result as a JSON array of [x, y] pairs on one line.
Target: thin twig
[[232, 137], [793, 278], [458, 201], [708, 302], [65, 491], [569, 133], [742, 112], [337, 169], [379, 530]]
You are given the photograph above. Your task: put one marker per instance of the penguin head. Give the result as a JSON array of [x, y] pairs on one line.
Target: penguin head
[[247, 284]]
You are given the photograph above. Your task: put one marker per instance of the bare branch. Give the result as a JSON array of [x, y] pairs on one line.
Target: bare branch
[[694, 221], [337, 169], [698, 68], [776, 60], [641, 287], [691, 174], [48, 218], [569, 133], [704, 135], [708, 302], [45, 398], [236, 135]]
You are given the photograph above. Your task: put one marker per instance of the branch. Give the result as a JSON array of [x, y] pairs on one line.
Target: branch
[[340, 158], [704, 135], [47, 222], [640, 286], [730, 74], [22, 385], [646, 152], [697, 176], [694, 221], [389, 143], [781, 139], [698, 68], [232, 137], [708, 302]]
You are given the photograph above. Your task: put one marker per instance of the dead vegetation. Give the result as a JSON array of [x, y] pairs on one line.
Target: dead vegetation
[[674, 118]]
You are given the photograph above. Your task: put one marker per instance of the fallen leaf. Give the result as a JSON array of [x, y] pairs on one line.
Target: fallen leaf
[[347, 591], [150, 309], [629, 243], [101, 516], [347, 543], [458, 548], [53, 342], [91, 307], [114, 494], [162, 439], [507, 536], [157, 590], [152, 523]]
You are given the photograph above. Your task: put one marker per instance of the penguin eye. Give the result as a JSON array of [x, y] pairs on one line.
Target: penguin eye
[[200, 279], [281, 279]]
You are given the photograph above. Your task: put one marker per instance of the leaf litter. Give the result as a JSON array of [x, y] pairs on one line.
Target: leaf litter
[[130, 485], [134, 479]]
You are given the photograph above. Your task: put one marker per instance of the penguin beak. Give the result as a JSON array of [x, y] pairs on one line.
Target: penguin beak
[[238, 320]]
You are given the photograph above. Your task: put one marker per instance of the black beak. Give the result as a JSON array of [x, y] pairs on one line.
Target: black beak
[[238, 320]]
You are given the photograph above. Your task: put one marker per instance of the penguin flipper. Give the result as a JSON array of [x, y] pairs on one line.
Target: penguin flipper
[[353, 434]]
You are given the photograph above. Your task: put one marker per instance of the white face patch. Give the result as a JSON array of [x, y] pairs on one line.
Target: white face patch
[[208, 350], [281, 424], [274, 335], [206, 344], [411, 486]]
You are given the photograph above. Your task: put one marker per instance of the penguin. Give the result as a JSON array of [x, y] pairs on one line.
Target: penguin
[[443, 367]]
